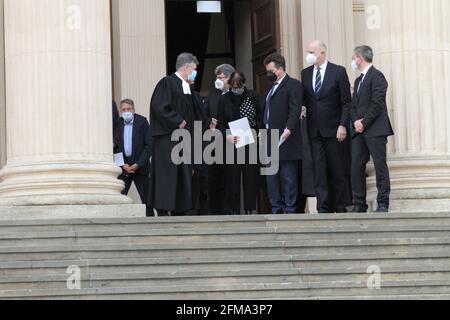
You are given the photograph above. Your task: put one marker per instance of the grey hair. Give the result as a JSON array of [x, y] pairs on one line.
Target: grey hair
[[323, 46], [225, 69], [186, 59], [365, 52]]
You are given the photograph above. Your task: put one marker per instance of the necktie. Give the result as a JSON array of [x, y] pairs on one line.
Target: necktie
[[267, 112], [318, 85], [360, 83]]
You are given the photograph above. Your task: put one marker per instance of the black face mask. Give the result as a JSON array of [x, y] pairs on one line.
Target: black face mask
[[272, 77]]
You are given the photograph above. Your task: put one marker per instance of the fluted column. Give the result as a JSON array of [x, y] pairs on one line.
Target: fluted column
[[139, 37], [58, 88], [411, 39]]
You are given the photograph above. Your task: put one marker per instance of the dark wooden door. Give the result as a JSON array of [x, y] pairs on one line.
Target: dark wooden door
[[265, 40]]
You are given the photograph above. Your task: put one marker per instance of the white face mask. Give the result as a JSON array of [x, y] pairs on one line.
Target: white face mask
[[220, 85], [311, 58], [354, 65], [128, 116]]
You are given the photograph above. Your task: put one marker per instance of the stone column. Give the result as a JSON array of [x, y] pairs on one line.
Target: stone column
[[2, 92], [139, 37], [59, 121], [411, 40]]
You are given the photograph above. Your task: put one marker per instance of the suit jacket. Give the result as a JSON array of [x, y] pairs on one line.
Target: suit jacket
[[370, 104], [285, 110], [142, 143], [330, 108], [212, 103]]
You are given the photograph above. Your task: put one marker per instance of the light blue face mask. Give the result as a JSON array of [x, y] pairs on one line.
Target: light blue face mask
[[128, 116], [193, 75]]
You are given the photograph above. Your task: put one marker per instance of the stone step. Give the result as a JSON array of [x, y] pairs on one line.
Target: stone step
[[228, 263], [46, 238], [302, 247], [242, 291], [59, 281], [256, 221]]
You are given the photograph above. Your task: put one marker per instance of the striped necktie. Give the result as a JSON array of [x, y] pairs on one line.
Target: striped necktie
[[318, 85]]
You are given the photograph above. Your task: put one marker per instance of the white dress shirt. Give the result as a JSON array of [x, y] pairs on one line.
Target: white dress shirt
[[128, 139], [323, 70], [186, 86]]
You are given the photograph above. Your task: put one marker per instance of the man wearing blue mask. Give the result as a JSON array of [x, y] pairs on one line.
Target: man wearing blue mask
[[133, 140], [173, 107]]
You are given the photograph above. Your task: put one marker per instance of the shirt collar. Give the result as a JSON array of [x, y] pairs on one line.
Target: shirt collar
[[366, 70], [186, 86], [323, 67], [281, 80]]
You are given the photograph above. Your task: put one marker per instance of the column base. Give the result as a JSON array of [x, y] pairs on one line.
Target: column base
[[71, 212], [419, 184], [61, 183], [417, 206]]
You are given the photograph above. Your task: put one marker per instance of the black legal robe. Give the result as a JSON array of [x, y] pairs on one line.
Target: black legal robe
[[170, 184]]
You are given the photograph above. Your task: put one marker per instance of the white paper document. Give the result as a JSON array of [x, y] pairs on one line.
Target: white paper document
[[282, 140], [119, 160], [241, 128]]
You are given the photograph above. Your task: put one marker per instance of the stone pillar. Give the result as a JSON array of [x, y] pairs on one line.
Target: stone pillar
[[139, 38], [59, 92], [2, 92], [411, 40], [332, 22]]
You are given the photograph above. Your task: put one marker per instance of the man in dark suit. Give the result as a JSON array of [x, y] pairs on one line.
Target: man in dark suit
[[372, 128], [327, 99], [216, 172], [282, 113], [133, 140]]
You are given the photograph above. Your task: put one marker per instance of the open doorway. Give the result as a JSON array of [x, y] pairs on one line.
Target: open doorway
[[215, 38]]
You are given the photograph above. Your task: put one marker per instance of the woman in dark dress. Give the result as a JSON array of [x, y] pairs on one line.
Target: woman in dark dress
[[239, 103]]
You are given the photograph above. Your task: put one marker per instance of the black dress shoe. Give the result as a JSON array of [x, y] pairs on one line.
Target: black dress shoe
[[341, 210], [359, 210], [382, 210]]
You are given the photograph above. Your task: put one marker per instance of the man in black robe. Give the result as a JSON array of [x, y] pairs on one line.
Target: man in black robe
[[173, 107]]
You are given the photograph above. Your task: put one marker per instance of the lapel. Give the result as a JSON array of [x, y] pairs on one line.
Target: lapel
[[365, 82], [367, 78], [356, 93], [135, 133], [282, 84], [309, 79], [121, 137]]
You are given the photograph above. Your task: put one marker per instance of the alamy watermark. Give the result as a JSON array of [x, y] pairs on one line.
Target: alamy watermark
[[190, 148]]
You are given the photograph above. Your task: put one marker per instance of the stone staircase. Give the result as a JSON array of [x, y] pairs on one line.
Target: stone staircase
[[233, 257]]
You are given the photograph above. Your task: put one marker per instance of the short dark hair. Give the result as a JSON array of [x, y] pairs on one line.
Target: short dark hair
[[127, 101], [277, 59], [236, 77], [365, 52]]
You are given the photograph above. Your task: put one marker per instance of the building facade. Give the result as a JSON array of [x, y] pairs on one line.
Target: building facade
[[66, 59]]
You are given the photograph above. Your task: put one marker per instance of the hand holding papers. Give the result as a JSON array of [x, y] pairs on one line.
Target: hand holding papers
[[241, 128], [119, 160], [287, 133]]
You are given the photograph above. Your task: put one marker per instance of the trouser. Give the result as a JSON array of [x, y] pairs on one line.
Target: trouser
[[362, 148]]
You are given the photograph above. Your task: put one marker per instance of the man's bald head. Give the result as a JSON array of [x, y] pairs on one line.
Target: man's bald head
[[319, 49]]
